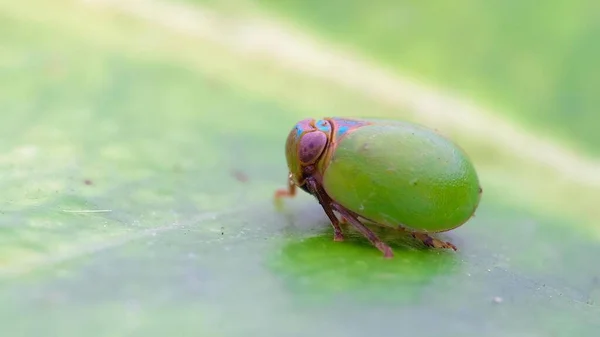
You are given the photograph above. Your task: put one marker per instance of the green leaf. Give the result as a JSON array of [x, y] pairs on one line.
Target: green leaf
[[138, 170]]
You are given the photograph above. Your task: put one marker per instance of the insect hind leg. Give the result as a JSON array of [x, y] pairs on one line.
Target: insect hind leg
[[432, 242]]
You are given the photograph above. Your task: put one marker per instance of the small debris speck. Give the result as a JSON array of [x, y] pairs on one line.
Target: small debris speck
[[240, 176], [498, 299]]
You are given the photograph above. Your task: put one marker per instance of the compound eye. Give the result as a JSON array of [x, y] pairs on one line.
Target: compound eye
[[311, 146]]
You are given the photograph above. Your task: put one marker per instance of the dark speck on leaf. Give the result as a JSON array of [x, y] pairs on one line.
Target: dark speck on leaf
[[240, 176], [87, 182]]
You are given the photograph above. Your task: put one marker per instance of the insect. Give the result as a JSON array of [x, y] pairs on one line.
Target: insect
[[386, 172]]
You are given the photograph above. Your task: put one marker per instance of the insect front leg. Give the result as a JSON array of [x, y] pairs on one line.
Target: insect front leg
[[289, 192]]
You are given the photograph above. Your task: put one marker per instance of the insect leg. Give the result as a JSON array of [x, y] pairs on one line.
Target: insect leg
[[353, 220], [325, 202], [290, 191], [432, 242]]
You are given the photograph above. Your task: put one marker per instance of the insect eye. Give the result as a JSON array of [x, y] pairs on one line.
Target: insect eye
[[311, 146]]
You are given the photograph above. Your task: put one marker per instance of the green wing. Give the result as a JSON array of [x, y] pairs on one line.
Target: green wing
[[403, 174]]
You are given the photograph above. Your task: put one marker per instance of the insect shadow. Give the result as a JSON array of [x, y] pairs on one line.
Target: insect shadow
[[318, 268]]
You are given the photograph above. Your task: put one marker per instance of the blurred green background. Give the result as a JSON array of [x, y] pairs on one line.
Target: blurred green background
[[142, 142], [533, 62]]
